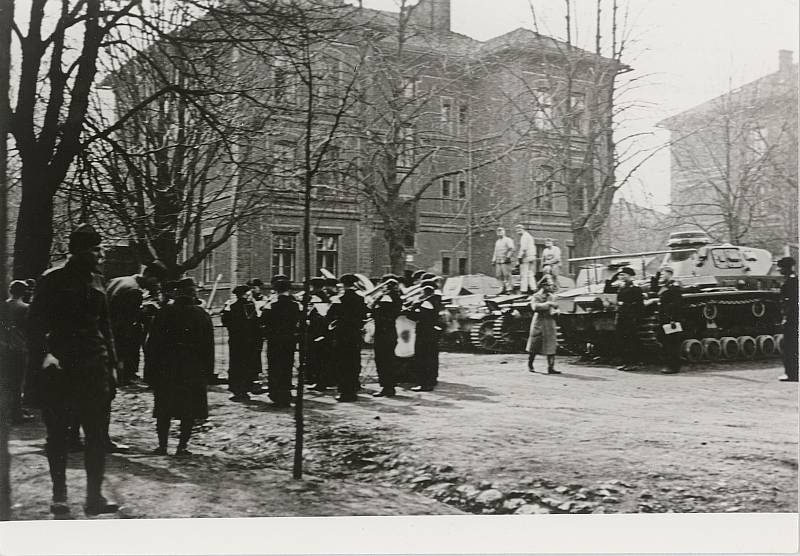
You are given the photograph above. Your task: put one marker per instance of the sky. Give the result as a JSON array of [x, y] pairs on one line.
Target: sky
[[687, 51]]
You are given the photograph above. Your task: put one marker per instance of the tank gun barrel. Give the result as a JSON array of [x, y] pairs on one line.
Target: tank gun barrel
[[624, 255]]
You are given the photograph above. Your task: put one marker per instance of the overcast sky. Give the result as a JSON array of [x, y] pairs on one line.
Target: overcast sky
[[691, 49]]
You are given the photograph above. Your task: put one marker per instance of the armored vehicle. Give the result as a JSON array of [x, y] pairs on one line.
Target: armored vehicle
[[731, 304]]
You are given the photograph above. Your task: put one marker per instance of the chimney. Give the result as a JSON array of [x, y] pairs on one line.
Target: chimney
[[785, 60], [433, 14]]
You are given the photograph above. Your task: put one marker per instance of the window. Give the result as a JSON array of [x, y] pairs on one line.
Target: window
[[462, 265], [329, 82], [755, 144], [577, 189], [208, 262], [446, 189], [543, 110], [462, 189], [574, 116], [543, 189], [410, 87], [463, 113], [571, 255], [328, 252], [283, 84], [283, 168], [283, 254], [445, 265], [447, 115], [409, 239], [405, 147], [330, 172]]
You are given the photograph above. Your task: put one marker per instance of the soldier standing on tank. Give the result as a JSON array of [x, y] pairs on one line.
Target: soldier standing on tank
[[182, 344], [71, 349], [630, 304], [317, 334], [670, 301], [244, 336], [281, 317], [385, 311], [790, 317], [347, 314]]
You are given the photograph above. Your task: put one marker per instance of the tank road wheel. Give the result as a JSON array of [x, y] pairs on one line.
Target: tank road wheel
[[779, 344], [766, 345], [482, 337], [712, 349], [747, 347], [730, 347], [692, 350]]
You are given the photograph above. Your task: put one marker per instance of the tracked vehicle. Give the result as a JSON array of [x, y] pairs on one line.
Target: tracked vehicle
[[731, 304]]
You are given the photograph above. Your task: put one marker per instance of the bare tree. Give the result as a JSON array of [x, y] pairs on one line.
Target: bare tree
[[736, 166]]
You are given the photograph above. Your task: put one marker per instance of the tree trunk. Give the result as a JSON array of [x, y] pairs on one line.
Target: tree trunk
[[34, 231], [583, 240], [397, 248]]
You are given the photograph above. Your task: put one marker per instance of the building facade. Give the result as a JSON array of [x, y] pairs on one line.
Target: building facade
[[734, 162]]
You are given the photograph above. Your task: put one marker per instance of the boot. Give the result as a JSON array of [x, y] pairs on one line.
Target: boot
[[58, 474], [96, 503]]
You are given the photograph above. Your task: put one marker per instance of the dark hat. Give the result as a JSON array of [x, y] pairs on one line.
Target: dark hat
[[428, 276], [627, 270], [156, 268], [331, 282], [279, 279], [170, 285], [83, 237], [418, 274], [187, 282], [348, 280], [241, 289], [255, 283], [786, 262], [317, 281], [17, 287]]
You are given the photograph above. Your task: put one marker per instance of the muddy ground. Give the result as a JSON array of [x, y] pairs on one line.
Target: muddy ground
[[492, 438]]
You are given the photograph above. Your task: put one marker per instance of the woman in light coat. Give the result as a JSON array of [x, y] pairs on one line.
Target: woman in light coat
[[542, 335]]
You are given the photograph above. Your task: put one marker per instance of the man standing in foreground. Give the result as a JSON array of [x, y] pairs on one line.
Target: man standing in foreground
[[347, 314], [72, 353], [790, 314], [526, 259], [385, 311], [630, 304], [281, 317], [503, 251]]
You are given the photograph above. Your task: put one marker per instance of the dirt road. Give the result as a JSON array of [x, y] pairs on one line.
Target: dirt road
[[492, 438]]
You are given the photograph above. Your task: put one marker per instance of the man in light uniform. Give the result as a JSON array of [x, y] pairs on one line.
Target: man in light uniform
[[503, 251], [551, 256], [527, 260]]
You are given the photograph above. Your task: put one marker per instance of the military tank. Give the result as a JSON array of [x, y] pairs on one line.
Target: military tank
[[731, 304]]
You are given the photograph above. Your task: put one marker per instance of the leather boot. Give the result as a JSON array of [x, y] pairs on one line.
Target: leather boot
[[96, 503]]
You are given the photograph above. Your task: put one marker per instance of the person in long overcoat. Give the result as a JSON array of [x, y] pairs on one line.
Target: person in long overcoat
[[244, 343], [347, 314], [789, 308], [385, 311], [181, 342], [542, 335]]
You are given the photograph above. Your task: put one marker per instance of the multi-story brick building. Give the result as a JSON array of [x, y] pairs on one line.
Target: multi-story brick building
[[734, 162], [484, 146]]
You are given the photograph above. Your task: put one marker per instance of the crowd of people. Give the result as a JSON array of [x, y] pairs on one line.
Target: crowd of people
[[69, 340]]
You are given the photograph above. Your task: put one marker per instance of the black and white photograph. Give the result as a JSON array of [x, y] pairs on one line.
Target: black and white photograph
[[360, 258]]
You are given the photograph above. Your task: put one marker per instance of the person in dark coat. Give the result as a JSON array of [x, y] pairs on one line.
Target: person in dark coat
[[257, 296], [347, 314], [182, 344], [630, 304], [670, 301], [125, 297], [790, 318], [426, 347], [385, 311], [281, 317], [244, 343], [14, 352], [331, 287], [317, 372], [71, 351]]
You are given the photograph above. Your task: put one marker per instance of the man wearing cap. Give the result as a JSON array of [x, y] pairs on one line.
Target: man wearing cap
[[501, 259], [244, 335], [426, 348], [526, 259], [125, 297], [182, 341], [281, 318], [316, 368], [551, 255], [670, 304], [790, 317], [347, 315], [14, 352], [630, 304], [385, 311], [71, 350]]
